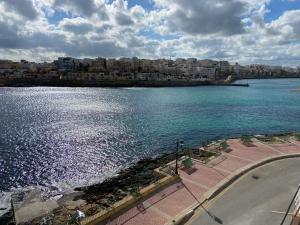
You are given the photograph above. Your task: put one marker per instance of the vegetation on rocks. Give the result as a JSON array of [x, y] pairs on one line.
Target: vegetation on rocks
[[268, 139], [202, 155], [247, 141], [128, 182], [297, 135], [224, 145]]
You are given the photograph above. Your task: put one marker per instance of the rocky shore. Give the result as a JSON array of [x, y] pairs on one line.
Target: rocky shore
[[116, 83], [7, 218], [94, 198], [97, 197], [128, 180]]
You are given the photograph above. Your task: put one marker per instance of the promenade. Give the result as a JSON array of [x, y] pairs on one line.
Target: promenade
[[179, 198], [260, 197]]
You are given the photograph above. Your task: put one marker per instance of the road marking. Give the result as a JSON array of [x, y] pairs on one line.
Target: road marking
[[277, 212], [207, 204]]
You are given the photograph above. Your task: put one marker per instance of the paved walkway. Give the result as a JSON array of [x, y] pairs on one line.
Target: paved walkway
[[255, 201], [174, 200]]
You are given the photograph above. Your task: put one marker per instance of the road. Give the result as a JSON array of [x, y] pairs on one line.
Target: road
[[258, 198]]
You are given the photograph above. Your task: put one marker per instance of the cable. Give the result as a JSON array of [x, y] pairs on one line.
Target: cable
[[290, 206]]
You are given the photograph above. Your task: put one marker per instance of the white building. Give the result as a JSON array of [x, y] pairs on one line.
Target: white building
[[66, 63], [224, 66], [208, 73], [6, 66]]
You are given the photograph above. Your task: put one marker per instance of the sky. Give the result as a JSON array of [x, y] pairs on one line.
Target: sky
[[244, 31]]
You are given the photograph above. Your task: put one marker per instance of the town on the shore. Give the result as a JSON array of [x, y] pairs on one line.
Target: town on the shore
[[110, 70]]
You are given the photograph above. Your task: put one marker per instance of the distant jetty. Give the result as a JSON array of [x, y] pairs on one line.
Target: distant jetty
[[232, 84], [238, 85]]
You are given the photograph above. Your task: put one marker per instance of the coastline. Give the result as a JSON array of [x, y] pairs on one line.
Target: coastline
[[113, 84], [128, 83], [293, 83], [142, 172]]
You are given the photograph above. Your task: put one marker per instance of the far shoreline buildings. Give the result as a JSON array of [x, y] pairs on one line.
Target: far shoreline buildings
[[105, 70]]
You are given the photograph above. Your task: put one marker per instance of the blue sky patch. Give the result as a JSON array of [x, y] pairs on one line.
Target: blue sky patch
[[57, 16], [146, 4], [277, 8], [156, 36]]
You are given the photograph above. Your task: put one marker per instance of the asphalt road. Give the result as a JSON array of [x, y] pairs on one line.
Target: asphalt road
[[256, 199]]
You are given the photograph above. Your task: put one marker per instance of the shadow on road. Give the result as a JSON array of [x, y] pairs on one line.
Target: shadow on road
[[214, 217]]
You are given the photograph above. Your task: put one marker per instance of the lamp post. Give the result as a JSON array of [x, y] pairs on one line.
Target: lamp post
[[177, 149]]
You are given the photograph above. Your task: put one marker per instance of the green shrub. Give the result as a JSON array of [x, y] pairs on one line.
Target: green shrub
[[267, 139], [224, 145], [246, 139], [134, 191]]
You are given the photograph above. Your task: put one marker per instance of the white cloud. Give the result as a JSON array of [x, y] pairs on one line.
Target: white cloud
[[287, 25], [26, 8], [233, 30], [203, 17], [76, 25]]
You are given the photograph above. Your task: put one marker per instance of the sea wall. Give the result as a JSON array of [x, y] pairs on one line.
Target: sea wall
[[115, 83]]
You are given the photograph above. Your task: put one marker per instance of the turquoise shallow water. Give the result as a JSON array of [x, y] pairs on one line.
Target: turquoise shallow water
[[51, 136]]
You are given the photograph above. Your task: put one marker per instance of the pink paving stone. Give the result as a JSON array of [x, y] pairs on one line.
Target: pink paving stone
[[128, 215], [252, 153], [176, 198], [176, 202], [197, 191], [148, 218], [164, 193], [263, 147], [287, 148], [204, 175], [232, 163], [297, 142], [133, 216]]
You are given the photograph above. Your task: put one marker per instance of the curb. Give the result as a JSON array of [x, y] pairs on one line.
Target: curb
[[226, 183], [129, 201], [184, 218], [239, 173]]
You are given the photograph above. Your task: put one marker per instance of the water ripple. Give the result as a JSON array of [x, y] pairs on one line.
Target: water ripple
[[75, 136]]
